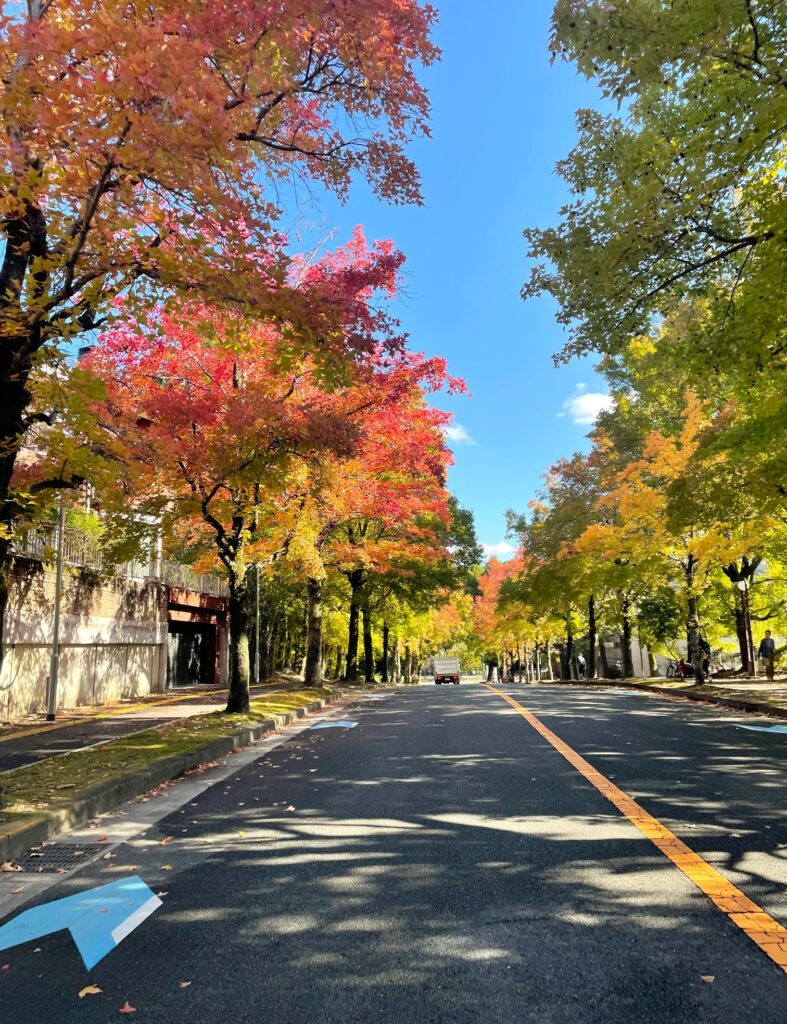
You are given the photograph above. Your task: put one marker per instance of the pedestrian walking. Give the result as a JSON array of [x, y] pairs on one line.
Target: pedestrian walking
[[581, 666], [767, 651]]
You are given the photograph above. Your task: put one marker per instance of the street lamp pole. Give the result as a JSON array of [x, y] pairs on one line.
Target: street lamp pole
[[257, 631], [54, 658]]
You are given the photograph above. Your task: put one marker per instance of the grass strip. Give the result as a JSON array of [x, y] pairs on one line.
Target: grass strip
[[38, 786]]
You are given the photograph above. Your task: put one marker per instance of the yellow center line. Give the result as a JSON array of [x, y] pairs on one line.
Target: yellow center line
[[752, 920]]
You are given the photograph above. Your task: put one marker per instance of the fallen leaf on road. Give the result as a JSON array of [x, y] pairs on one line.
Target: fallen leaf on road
[[166, 867], [241, 833], [9, 865], [5, 967], [15, 892], [165, 840], [290, 808], [708, 977], [37, 949], [89, 990], [163, 893], [185, 984], [127, 1008]]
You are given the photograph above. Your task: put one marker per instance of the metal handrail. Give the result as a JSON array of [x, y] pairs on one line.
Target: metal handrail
[[83, 552]]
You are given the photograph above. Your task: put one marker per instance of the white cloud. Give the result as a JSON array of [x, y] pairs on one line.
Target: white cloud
[[582, 387], [458, 434], [585, 406], [500, 550]]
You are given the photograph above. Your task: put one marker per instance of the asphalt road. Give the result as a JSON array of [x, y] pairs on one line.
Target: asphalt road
[[441, 862]]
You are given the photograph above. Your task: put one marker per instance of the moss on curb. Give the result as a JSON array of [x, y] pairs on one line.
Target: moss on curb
[[41, 786]]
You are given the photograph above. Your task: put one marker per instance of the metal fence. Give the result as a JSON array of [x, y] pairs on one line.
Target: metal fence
[[83, 552], [177, 575]]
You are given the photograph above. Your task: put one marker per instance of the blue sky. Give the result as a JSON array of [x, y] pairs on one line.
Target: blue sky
[[502, 117]]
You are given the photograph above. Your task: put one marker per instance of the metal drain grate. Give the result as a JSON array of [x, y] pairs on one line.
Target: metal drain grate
[[57, 857]]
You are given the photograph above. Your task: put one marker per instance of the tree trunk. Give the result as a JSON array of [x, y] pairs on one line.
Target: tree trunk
[[386, 637], [602, 659], [628, 660], [238, 696], [566, 657], [408, 664], [368, 646], [15, 398], [550, 666], [313, 671], [740, 631], [397, 662], [737, 575], [693, 640], [356, 585], [339, 663], [592, 638]]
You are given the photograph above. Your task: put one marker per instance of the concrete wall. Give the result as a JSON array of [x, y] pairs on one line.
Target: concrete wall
[[113, 636]]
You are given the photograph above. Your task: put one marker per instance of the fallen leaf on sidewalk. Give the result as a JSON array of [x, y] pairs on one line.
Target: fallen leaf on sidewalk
[[127, 1008], [15, 892], [185, 984], [708, 977], [9, 865], [89, 990]]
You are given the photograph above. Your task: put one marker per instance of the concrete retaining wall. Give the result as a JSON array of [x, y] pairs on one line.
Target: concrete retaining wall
[[113, 636]]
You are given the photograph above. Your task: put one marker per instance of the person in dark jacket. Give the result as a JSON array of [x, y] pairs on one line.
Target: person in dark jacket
[[767, 651]]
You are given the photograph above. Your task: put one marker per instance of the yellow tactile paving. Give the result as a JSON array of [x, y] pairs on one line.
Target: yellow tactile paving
[[761, 928]]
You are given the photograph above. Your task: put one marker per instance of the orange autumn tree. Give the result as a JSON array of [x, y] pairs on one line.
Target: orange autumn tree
[[215, 423], [503, 627], [379, 516], [143, 147], [645, 536]]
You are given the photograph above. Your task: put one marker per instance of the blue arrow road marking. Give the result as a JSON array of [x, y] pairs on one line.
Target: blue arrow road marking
[[98, 919], [342, 724], [764, 728]]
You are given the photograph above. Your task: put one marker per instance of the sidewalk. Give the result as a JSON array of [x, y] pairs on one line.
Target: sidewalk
[[752, 695], [35, 739], [49, 793]]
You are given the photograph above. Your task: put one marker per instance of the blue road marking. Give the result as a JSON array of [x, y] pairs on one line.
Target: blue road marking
[[342, 724], [764, 728], [98, 919]]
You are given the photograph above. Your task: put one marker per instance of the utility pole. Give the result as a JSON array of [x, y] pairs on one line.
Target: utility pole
[[54, 659]]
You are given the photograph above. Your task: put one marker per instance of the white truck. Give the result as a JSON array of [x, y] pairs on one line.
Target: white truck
[[446, 670]]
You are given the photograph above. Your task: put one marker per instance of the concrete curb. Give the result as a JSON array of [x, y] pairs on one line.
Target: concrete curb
[[733, 703], [17, 837]]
